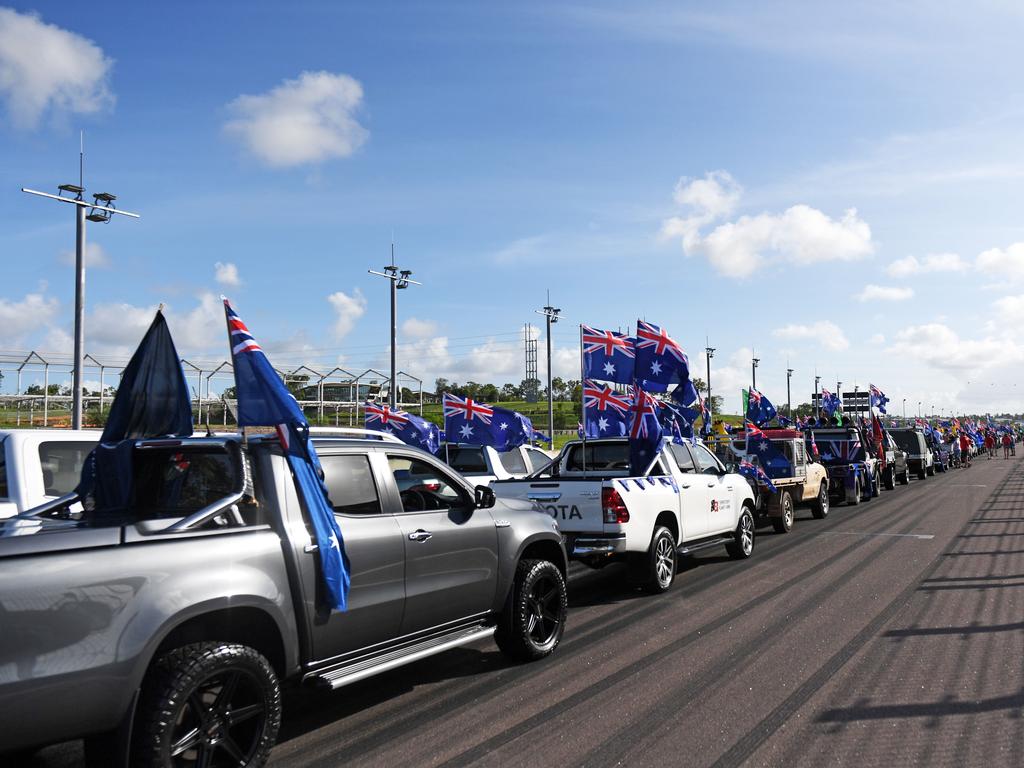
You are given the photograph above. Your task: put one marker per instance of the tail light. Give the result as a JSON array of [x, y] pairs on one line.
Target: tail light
[[613, 507]]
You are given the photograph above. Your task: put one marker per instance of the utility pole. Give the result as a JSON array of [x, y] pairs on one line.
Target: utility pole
[[551, 316], [789, 396], [101, 210], [753, 371], [399, 280], [710, 352]]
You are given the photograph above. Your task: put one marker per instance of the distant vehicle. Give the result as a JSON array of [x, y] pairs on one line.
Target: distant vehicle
[[846, 454], [162, 633], [685, 501], [920, 458], [483, 464], [895, 466], [37, 465]]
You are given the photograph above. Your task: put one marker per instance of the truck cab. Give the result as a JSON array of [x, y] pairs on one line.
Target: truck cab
[[483, 464], [848, 456], [38, 465], [920, 458]]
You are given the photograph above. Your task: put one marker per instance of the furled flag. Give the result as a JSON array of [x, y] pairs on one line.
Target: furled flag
[[410, 429], [705, 413], [644, 431], [607, 355], [877, 398], [759, 408], [469, 421], [263, 401], [605, 411], [660, 361], [757, 476]]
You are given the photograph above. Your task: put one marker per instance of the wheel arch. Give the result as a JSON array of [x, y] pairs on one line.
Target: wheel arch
[[668, 520]]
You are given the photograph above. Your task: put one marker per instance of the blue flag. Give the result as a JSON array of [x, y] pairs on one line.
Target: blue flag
[[830, 402], [759, 408], [410, 429], [686, 393], [877, 398], [469, 421], [769, 457], [678, 420], [605, 411], [660, 361], [644, 431], [607, 355], [757, 476], [264, 401]]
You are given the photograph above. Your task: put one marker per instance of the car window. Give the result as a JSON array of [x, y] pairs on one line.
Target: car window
[[422, 486], [467, 460], [682, 457], [513, 462], [173, 482], [598, 457], [705, 460], [350, 484], [62, 462], [538, 459]]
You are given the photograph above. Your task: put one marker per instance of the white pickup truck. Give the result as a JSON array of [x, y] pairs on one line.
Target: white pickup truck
[[38, 465], [686, 501], [482, 464]]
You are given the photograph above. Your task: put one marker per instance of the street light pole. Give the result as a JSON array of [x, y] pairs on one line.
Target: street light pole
[[101, 210], [753, 371], [710, 352], [399, 280], [817, 398], [551, 317], [789, 396], [904, 409]]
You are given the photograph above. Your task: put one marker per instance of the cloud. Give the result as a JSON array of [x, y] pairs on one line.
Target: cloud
[[44, 67], [349, 309], [827, 334], [19, 317], [939, 346], [226, 274], [418, 329], [800, 235], [933, 262], [884, 293], [95, 256], [302, 121], [1004, 262]]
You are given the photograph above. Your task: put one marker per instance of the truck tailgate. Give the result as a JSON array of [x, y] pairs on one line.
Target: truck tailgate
[[575, 504]]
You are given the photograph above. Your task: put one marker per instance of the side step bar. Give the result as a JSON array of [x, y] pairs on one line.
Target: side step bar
[[358, 670], [689, 549]]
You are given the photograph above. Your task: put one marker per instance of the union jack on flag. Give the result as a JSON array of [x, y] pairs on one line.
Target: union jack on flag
[[385, 415], [241, 339], [650, 336], [458, 408], [644, 406], [660, 361], [607, 355], [602, 398]]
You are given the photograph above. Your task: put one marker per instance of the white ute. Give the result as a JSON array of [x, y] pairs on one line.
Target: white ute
[[37, 465], [482, 464], [686, 501]]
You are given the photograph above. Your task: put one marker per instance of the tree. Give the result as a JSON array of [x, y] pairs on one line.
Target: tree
[[441, 386], [558, 388], [511, 392], [699, 385], [488, 393]]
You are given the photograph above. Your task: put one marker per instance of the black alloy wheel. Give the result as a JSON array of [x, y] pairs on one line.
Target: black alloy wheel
[[533, 620]]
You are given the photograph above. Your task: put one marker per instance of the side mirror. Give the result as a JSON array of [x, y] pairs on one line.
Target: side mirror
[[484, 497], [732, 467]]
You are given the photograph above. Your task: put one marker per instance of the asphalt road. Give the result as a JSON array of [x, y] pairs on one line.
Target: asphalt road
[[891, 633]]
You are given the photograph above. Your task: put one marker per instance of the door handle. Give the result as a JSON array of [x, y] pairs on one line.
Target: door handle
[[711, 485], [420, 535], [685, 485], [728, 487]]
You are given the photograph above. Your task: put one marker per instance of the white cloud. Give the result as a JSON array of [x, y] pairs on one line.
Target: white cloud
[[884, 293], [44, 67], [301, 121], [939, 346], [19, 317], [827, 334], [1004, 262], [226, 274], [877, 339], [415, 328], [349, 309], [933, 262], [800, 235], [95, 256], [1009, 309], [118, 328]]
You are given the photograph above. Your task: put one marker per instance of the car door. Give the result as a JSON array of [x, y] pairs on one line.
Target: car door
[[694, 495], [451, 557], [376, 555], [720, 489]]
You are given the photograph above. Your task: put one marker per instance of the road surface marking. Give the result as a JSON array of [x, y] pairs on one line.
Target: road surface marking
[[923, 536]]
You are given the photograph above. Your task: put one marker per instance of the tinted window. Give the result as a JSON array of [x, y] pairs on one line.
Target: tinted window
[[3, 470], [423, 486], [599, 457], [682, 457], [171, 482], [465, 460], [350, 484], [513, 462], [538, 459], [907, 441], [62, 465], [707, 462]]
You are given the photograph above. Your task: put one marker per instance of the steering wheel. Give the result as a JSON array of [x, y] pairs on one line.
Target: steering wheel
[[413, 501]]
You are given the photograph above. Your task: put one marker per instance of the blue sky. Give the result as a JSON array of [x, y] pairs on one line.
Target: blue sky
[[831, 185]]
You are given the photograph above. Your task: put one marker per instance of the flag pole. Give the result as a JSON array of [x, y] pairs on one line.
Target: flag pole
[[583, 406]]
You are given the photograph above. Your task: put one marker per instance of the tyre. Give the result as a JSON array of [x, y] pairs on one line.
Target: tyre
[[742, 545], [905, 477], [819, 507], [890, 478], [655, 569], [931, 471], [207, 704], [876, 486], [921, 474], [784, 523], [857, 493], [532, 623]]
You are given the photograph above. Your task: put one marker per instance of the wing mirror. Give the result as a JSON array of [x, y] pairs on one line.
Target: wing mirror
[[731, 468], [484, 497]]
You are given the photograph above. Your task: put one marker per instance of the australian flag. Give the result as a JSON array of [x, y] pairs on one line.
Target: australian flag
[[756, 475], [759, 408], [771, 458], [660, 361], [830, 402], [607, 355], [878, 398], [410, 429], [263, 401], [469, 421], [678, 420], [605, 412], [644, 431]]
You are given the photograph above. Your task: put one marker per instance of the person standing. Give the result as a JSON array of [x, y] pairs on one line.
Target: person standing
[[990, 444], [1006, 446], [965, 450]]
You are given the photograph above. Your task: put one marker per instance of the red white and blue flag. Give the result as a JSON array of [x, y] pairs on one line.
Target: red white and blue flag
[[410, 429], [605, 411], [607, 355], [660, 361]]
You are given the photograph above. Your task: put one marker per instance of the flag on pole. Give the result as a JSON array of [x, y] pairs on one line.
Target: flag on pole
[[410, 429]]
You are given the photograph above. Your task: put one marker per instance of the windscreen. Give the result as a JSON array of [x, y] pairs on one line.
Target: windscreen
[[838, 446], [466, 459]]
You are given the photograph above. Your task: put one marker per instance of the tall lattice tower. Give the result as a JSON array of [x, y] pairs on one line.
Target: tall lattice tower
[[532, 387]]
